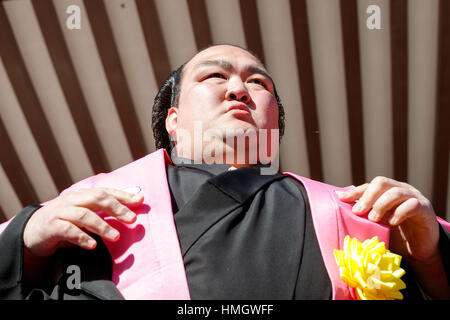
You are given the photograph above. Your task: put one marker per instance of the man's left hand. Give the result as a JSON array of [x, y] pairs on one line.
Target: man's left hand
[[414, 228]]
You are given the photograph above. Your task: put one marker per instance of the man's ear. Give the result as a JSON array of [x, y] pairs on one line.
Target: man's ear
[[172, 120]]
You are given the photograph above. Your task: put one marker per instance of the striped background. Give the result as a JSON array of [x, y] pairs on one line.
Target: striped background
[[359, 103]]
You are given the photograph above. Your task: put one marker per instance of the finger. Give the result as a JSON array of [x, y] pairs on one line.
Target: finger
[[388, 201], [131, 199], [85, 218], [68, 232], [404, 211], [126, 198], [374, 190], [101, 200], [353, 194], [112, 207]]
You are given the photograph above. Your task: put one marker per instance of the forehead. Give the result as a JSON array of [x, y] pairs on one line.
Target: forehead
[[233, 55]]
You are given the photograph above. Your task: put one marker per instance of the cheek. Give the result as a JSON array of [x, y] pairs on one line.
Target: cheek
[[197, 103], [266, 111]]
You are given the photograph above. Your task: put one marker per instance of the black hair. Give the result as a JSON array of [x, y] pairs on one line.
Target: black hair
[[168, 96]]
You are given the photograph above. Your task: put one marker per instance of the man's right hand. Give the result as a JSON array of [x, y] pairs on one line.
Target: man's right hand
[[63, 222]]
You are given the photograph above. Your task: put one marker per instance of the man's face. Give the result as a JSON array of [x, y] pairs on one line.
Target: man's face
[[225, 88]]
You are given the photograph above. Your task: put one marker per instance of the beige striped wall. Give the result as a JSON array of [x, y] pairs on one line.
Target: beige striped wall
[[324, 153]]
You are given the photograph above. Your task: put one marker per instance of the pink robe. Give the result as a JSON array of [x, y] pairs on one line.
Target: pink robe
[[147, 261]]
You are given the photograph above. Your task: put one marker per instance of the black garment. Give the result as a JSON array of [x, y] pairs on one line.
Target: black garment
[[244, 235], [224, 207], [95, 266]]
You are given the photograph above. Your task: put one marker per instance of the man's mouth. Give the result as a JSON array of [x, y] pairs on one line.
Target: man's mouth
[[239, 109]]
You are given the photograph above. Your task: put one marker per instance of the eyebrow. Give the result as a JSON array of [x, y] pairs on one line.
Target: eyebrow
[[228, 66]]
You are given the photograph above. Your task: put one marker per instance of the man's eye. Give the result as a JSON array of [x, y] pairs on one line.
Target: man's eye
[[216, 75], [260, 82]]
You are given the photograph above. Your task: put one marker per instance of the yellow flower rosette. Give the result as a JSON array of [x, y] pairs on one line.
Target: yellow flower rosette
[[371, 269]]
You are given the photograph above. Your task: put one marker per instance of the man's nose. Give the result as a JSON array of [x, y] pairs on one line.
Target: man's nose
[[237, 91]]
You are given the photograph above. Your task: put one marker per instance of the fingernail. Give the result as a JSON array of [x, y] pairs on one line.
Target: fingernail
[[91, 243], [133, 190], [137, 197], [112, 234], [357, 207], [373, 215], [340, 194], [130, 216], [393, 220]]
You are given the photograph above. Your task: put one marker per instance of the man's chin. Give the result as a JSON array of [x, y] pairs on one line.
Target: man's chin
[[240, 119], [239, 124]]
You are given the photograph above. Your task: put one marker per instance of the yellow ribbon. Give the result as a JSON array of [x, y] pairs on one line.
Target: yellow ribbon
[[371, 269]]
